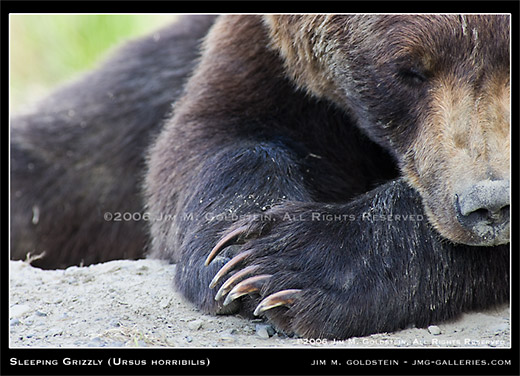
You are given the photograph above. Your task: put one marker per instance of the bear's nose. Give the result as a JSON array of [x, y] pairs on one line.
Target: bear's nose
[[483, 209]]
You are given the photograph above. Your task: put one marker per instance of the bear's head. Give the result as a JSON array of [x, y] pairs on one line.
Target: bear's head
[[434, 90]]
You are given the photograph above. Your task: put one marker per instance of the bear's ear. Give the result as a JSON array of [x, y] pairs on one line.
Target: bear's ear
[[307, 44]]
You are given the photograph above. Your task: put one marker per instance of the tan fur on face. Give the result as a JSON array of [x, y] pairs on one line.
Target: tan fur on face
[[464, 139]]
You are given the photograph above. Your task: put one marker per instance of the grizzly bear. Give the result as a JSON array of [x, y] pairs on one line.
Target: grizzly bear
[[340, 175]]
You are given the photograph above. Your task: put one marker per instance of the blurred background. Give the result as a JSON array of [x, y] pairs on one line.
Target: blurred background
[[46, 50]]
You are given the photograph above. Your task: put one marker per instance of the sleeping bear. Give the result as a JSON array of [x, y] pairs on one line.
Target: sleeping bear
[[340, 175]]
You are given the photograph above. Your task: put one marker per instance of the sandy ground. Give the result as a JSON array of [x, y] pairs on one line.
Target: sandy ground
[[133, 304]]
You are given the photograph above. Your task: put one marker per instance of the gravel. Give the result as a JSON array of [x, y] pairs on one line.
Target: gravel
[[133, 304]]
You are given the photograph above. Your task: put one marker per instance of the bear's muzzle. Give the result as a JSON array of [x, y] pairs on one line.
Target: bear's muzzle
[[483, 210]]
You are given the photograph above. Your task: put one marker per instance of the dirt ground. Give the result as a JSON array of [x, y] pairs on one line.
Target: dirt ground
[[133, 304]]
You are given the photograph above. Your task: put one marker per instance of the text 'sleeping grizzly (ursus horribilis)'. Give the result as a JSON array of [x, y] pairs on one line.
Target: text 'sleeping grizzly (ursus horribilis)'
[[339, 174]]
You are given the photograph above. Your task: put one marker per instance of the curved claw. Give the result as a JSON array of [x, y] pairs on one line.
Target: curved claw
[[281, 298], [247, 286], [224, 242], [230, 265], [224, 289]]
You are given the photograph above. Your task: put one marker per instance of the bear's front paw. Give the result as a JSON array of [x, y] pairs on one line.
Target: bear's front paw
[[287, 270], [250, 274]]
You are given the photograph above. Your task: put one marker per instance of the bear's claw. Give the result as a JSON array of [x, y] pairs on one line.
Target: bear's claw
[[224, 242], [230, 265], [280, 298], [235, 278], [247, 286]]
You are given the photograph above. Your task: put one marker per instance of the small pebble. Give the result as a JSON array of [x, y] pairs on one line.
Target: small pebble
[[18, 310], [14, 322], [264, 330], [41, 314], [188, 339], [434, 329], [195, 325], [115, 323]]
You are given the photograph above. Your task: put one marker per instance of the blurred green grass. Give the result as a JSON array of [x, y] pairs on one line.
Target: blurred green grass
[[46, 50]]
